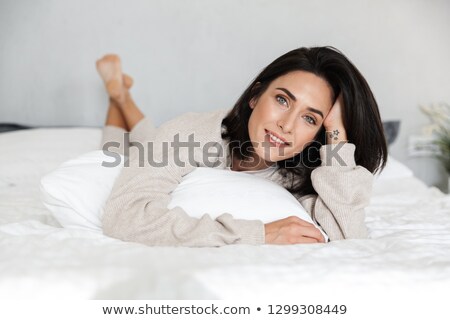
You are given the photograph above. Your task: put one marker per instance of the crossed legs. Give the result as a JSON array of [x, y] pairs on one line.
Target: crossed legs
[[122, 111]]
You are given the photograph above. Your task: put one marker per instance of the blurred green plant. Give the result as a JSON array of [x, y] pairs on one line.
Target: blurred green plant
[[439, 129]]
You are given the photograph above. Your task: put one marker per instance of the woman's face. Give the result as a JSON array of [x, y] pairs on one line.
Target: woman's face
[[292, 109]]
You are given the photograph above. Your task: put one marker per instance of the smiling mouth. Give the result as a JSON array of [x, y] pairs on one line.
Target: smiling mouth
[[274, 140]]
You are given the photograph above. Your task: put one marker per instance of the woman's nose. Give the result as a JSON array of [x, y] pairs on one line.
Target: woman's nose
[[286, 124]]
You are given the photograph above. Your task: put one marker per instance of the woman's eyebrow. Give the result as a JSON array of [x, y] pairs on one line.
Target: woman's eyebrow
[[295, 99], [288, 93], [315, 111]]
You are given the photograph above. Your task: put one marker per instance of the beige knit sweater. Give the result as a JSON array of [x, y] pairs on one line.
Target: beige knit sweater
[[137, 207]]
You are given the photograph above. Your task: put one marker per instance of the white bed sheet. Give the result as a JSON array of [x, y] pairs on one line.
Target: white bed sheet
[[409, 245]]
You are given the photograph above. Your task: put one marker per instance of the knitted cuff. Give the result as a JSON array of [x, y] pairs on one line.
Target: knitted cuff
[[251, 232]]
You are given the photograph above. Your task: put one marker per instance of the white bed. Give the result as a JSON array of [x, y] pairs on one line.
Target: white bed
[[409, 245]]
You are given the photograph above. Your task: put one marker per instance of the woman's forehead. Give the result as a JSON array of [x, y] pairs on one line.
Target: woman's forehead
[[306, 86]]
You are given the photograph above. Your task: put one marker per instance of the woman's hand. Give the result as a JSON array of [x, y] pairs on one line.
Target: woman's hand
[[334, 123], [334, 119], [292, 230]]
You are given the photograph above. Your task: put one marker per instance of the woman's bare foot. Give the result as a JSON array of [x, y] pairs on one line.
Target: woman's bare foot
[[127, 84], [127, 81], [122, 112], [110, 71]]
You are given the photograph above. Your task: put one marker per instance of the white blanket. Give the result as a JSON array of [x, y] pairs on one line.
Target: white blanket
[[409, 245]]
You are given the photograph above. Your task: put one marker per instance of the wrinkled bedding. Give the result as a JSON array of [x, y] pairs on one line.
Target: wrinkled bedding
[[409, 244]]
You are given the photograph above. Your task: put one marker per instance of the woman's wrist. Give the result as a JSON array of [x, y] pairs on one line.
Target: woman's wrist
[[336, 134]]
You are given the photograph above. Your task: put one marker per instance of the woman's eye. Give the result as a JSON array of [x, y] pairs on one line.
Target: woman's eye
[[282, 101], [311, 120]]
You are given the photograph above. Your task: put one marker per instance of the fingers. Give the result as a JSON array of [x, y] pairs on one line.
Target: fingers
[[312, 232], [292, 230], [307, 229], [297, 220], [307, 240]]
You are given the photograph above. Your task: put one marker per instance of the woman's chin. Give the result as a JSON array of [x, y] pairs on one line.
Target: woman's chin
[[269, 159]]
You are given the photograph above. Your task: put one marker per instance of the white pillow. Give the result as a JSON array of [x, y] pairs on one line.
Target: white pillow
[[394, 169], [76, 193], [77, 190]]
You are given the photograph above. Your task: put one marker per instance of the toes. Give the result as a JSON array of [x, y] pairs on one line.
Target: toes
[[107, 61], [98, 64], [111, 57], [127, 81]]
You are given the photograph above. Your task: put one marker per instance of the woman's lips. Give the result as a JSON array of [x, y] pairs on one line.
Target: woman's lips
[[273, 142]]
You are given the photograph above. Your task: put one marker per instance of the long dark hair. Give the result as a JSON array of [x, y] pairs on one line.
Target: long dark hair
[[362, 119]]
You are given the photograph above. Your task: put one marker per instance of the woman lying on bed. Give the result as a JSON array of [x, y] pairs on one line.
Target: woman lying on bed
[[308, 122]]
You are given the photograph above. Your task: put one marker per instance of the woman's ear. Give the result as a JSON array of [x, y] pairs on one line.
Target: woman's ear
[[254, 100]]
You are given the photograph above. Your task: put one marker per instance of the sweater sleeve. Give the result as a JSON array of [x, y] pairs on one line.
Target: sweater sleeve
[[136, 209], [344, 190]]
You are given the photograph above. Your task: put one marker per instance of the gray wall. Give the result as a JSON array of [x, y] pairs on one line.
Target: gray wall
[[200, 55]]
